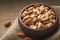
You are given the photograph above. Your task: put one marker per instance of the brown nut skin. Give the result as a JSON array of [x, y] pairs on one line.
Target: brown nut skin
[[36, 5], [52, 16], [28, 21], [34, 19], [21, 34], [30, 8], [30, 12], [27, 38], [45, 22], [26, 17], [7, 23]]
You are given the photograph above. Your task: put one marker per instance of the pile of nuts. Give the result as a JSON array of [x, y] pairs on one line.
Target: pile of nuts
[[38, 16]]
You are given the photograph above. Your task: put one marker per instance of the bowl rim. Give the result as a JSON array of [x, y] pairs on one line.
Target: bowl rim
[[19, 16]]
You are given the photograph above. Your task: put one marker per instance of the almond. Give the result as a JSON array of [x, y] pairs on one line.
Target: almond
[[30, 8], [30, 12], [26, 17], [36, 5], [34, 19], [21, 34], [27, 38], [7, 23], [28, 21]]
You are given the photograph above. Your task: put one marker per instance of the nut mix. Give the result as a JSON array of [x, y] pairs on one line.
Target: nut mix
[[38, 16]]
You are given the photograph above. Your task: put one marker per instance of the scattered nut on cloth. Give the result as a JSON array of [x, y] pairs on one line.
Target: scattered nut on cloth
[[14, 29]]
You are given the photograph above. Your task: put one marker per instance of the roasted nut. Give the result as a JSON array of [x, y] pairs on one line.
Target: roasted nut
[[53, 20], [49, 24], [42, 7], [32, 15], [34, 19], [44, 17], [33, 26], [39, 25], [38, 12], [46, 9], [36, 23], [49, 12], [26, 17], [39, 17], [27, 38], [44, 26], [30, 12], [28, 21], [52, 17], [21, 34], [36, 5], [45, 22], [7, 23], [35, 10], [30, 8], [53, 13], [24, 13]]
